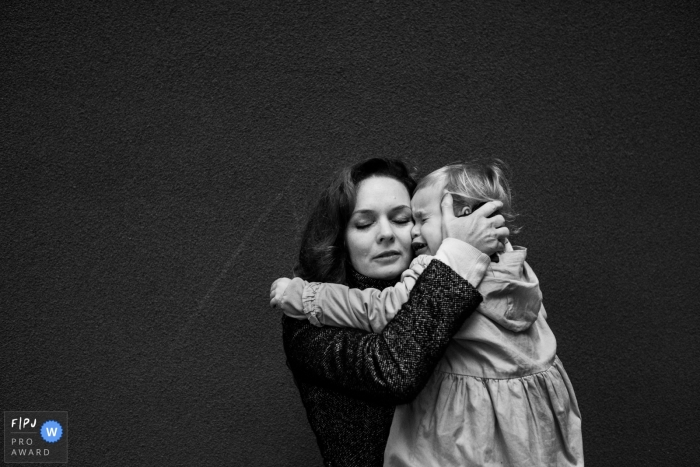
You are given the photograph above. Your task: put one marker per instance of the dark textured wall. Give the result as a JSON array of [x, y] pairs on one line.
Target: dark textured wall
[[158, 162]]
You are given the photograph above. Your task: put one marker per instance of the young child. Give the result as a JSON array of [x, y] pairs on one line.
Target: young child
[[500, 395]]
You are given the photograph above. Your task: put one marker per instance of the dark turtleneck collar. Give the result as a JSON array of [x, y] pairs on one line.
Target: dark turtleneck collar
[[360, 281]]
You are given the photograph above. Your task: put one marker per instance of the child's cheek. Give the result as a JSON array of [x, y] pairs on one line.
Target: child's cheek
[[431, 236], [433, 248], [434, 241]]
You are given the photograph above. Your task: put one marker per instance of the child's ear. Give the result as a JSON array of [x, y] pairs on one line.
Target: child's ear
[[464, 211]]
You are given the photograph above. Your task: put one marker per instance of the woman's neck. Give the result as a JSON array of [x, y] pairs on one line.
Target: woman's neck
[[360, 281]]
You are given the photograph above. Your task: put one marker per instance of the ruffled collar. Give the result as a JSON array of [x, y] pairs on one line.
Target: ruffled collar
[[360, 281]]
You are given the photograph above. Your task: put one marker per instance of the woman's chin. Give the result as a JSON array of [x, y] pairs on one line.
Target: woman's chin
[[389, 271]]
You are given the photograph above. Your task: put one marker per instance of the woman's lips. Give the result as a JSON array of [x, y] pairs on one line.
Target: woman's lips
[[388, 255]]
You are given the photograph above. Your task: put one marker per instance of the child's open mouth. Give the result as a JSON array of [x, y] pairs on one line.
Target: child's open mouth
[[418, 248]]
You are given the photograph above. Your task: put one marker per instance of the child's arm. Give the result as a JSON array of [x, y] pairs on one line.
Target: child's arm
[[338, 305], [512, 295], [368, 309], [464, 259]]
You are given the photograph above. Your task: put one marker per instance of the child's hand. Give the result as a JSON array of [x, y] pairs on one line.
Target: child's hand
[[420, 262], [277, 291]]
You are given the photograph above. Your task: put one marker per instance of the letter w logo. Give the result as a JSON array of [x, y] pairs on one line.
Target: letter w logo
[[52, 431]]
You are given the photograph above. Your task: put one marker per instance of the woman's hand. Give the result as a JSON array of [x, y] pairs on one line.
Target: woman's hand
[[277, 291], [484, 233]]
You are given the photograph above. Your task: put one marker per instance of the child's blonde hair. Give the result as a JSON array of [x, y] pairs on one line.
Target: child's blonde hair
[[474, 183]]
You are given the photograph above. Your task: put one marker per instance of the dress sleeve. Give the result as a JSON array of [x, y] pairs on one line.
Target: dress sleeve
[[466, 260], [391, 367], [368, 309], [291, 302]]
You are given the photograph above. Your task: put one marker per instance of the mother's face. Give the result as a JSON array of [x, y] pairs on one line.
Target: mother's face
[[378, 236]]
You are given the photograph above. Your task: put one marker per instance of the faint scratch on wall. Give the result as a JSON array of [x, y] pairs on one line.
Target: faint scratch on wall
[[241, 247], [255, 229]]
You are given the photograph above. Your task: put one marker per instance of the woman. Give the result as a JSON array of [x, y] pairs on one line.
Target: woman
[[360, 234]]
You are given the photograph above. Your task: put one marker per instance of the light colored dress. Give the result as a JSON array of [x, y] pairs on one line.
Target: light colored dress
[[499, 396]]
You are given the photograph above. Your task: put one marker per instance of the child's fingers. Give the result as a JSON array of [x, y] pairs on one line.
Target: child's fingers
[[274, 295]]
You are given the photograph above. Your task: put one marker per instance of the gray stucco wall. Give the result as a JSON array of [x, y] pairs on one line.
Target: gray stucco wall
[[158, 163]]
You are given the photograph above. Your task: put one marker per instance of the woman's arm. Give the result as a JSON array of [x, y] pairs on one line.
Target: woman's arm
[[391, 367]]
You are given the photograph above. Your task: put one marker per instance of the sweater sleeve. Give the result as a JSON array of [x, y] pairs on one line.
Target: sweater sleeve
[[391, 367]]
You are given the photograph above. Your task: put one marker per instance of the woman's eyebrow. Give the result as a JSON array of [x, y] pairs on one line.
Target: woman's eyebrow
[[391, 211], [363, 211], [400, 208]]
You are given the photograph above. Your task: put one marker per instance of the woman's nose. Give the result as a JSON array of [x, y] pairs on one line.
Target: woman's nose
[[386, 233]]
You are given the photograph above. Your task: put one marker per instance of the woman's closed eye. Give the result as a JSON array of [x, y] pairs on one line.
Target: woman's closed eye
[[402, 220], [364, 222]]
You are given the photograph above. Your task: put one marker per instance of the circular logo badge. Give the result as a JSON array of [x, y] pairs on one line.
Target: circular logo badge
[[51, 431]]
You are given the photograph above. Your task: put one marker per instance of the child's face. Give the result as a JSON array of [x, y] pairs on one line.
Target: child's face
[[426, 234]]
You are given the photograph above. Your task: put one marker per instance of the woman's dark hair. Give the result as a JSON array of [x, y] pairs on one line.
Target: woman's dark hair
[[323, 256]]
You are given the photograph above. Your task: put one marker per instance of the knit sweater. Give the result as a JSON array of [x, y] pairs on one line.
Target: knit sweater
[[350, 380]]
